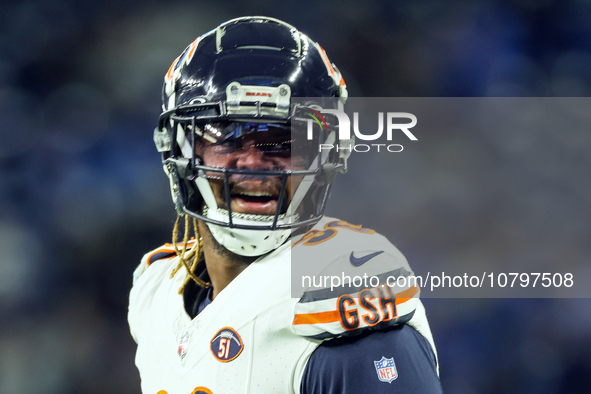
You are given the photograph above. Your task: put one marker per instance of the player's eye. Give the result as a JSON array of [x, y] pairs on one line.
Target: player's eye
[[224, 147]]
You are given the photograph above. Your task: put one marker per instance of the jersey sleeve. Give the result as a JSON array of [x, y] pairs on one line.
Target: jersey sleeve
[[397, 360], [353, 280]]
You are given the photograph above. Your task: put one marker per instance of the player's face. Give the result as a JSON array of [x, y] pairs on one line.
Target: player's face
[[251, 146]]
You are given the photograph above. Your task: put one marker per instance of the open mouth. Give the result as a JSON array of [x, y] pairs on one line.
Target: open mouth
[[253, 201], [255, 197]]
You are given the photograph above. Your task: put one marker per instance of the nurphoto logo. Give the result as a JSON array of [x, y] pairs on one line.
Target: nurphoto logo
[[394, 123]]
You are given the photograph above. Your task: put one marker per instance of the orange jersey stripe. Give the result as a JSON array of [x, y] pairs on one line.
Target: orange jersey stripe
[[316, 318], [334, 316], [406, 295]]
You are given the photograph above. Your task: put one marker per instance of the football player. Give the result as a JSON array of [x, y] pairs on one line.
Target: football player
[[214, 313]]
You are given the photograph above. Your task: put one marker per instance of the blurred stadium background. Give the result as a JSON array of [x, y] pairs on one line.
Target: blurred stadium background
[[83, 196]]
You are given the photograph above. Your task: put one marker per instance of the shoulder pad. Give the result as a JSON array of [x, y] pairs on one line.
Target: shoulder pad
[[350, 279], [163, 252]]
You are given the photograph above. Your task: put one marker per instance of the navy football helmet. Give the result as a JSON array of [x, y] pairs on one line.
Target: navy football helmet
[[255, 79]]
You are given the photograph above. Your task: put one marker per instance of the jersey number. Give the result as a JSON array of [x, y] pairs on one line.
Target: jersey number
[[224, 350], [315, 237]]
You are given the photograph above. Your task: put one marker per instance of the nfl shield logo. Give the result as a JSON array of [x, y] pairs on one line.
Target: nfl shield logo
[[386, 369], [183, 345]]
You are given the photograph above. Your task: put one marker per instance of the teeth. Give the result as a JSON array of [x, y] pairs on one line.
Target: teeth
[[256, 194]]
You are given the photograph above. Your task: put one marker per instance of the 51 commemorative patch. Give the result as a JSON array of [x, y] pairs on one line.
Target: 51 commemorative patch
[[226, 345]]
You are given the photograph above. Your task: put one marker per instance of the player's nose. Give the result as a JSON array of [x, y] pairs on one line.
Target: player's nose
[[253, 158]]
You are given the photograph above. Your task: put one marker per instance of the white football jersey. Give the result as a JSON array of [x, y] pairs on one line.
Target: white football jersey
[[254, 337]]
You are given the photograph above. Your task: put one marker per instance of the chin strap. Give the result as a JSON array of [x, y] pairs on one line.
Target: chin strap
[[185, 256]]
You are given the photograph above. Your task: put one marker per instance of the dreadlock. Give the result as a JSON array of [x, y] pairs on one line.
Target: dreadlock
[[191, 257]]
